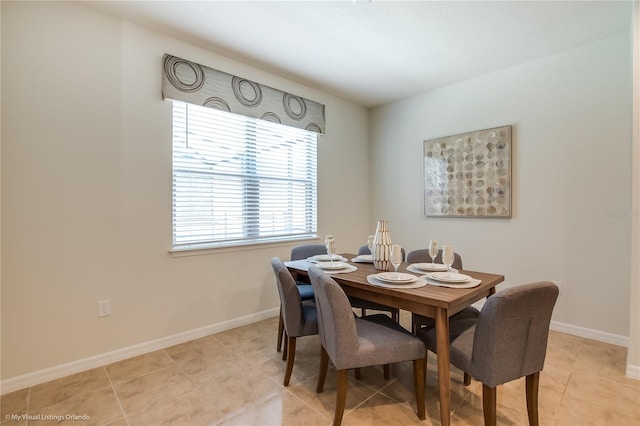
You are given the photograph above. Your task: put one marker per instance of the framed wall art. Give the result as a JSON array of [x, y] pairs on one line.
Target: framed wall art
[[468, 175]]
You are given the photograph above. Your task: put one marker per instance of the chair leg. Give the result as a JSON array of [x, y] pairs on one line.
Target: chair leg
[[395, 316], [280, 332], [357, 373], [533, 383], [489, 405], [419, 372], [467, 379], [322, 374], [385, 369], [341, 397], [291, 356], [286, 347]]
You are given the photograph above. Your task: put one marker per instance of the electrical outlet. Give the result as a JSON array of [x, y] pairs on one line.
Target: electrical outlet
[[104, 308], [559, 284]]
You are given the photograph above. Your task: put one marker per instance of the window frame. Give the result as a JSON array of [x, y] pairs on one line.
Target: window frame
[[253, 231]]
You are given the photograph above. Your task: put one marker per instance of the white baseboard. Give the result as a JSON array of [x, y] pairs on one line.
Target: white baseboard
[[633, 371], [31, 379], [601, 336]]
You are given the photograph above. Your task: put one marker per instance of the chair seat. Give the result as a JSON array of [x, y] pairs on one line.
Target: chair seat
[[379, 348], [305, 290]]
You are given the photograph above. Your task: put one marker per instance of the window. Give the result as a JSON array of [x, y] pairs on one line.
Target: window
[[238, 180]]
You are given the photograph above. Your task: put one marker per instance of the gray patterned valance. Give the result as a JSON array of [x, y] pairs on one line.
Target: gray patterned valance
[[189, 82]]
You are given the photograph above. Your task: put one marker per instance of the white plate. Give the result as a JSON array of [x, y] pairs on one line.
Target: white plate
[[325, 257], [392, 277], [373, 280], [449, 277], [332, 265], [433, 267]]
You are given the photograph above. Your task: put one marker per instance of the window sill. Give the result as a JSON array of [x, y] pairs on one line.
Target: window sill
[[205, 250]]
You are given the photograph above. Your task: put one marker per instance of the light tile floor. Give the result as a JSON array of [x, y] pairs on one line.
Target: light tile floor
[[234, 378]]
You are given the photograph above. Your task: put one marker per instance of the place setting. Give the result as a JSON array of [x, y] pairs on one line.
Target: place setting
[[365, 258], [421, 268], [396, 279], [449, 277], [331, 256], [331, 262]]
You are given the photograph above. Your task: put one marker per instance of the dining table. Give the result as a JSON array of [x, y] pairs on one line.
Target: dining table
[[439, 303]]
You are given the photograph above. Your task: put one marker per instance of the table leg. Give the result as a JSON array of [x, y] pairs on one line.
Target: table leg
[[442, 347]]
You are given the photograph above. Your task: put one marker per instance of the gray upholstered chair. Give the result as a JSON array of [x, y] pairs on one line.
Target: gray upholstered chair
[[422, 256], [299, 317], [307, 250], [351, 342], [363, 305], [508, 340], [304, 287]]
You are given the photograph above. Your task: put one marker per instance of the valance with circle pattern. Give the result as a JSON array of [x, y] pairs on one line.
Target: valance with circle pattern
[[193, 83]]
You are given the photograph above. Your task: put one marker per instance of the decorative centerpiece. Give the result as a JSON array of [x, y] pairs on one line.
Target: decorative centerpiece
[[381, 247]]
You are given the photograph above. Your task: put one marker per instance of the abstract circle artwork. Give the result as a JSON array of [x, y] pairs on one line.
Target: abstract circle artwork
[[469, 175]]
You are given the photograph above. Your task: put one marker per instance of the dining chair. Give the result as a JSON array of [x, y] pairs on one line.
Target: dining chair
[[352, 342], [507, 341], [422, 256], [304, 286], [299, 317], [303, 252], [363, 305]]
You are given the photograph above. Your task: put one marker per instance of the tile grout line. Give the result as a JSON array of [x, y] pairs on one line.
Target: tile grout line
[[113, 388], [28, 404], [303, 401]]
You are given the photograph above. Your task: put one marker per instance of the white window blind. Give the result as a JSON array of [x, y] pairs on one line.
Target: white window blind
[[239, 180]]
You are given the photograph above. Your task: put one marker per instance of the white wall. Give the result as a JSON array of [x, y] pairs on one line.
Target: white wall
[[571, 118], [86, 191]]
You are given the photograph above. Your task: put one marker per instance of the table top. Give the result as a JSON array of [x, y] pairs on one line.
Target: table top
[[424, 300]]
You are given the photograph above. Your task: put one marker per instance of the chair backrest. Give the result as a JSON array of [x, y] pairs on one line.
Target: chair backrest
[[307, 250], [290, 302], [422, 256], [365, 250], [511, 333], [336, 322]]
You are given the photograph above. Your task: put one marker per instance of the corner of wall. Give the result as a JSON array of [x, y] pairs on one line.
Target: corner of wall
[[633, 355]]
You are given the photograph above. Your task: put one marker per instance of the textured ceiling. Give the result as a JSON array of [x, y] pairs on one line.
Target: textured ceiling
[[379, 51]]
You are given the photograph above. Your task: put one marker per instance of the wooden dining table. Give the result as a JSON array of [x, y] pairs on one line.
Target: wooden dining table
[[438, 303]]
